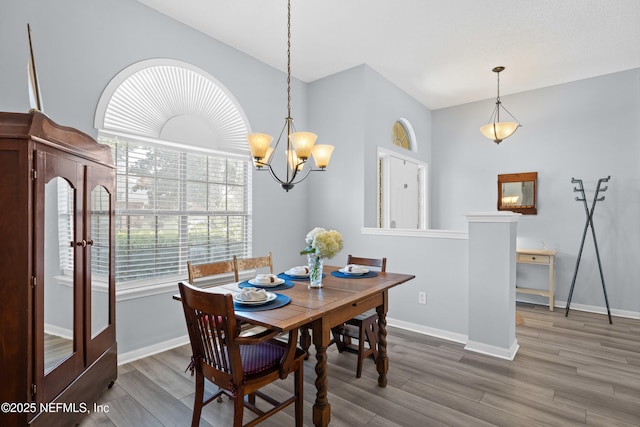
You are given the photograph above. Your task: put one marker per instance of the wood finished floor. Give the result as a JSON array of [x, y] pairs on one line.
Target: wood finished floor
[[569, 371]]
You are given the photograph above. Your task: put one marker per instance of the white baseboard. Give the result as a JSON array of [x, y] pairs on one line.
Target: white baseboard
[[561, 305], [143, 352], [426, 330], [491, 350], [502, 353]]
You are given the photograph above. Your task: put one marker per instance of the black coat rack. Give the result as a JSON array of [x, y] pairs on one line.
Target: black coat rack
[[589, 213]]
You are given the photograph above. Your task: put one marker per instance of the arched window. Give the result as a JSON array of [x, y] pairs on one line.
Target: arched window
[[183, 170]]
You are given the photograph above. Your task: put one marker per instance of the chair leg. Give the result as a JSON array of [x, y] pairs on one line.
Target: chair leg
[[238, 408], [197, 400], [298, 389], [372, 337], [361, 349], [338, 339]]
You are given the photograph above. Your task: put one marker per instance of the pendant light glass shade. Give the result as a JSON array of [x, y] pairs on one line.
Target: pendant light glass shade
[[499, 131], [322, 154], [496, 130], [259, 144], [303, 143]]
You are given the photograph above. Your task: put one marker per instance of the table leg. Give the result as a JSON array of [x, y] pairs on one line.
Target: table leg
[[305, 340], [382, 363], [321, 407]]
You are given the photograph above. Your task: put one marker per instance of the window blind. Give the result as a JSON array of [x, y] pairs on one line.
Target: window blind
[[174, 205]]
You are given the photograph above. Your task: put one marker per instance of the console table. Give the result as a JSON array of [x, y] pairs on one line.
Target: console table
[[539, 257]]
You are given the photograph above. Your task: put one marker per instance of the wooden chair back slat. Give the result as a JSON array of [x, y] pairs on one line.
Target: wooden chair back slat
[[381, 263], [252, 264], [209, 269]]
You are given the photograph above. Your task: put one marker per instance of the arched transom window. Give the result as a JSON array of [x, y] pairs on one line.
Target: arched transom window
[[183, 170]]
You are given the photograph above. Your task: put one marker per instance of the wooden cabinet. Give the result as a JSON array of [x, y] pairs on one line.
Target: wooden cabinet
[[57, 279]]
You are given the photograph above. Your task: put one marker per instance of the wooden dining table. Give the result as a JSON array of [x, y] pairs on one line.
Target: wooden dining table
[[320, 309]]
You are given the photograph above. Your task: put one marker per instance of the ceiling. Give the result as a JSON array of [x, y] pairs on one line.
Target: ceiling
[[439, 52]]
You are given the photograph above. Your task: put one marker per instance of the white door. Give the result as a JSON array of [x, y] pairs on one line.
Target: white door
[[404, 194]]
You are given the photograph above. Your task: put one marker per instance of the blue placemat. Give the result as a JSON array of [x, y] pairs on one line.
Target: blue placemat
[[281, 300], [281, 287], [353, 276], [298, 279]]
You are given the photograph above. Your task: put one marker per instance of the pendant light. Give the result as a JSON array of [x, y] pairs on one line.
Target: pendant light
[[496, 130], [300, 145]]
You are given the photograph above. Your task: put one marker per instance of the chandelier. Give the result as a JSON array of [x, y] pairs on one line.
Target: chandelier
[[496, 130], [300, 145]]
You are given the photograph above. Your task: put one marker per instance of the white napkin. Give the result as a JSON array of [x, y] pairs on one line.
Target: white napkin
[[253, 294], [265, 279], [353, 268], [299, 270]]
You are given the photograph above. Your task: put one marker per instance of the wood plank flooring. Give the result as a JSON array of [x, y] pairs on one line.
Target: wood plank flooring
[[569, 371]]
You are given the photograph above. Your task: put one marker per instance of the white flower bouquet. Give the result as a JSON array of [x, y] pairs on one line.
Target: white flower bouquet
[[323, 243]]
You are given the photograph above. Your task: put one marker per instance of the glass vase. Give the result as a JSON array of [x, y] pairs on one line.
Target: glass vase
[[315, 270]]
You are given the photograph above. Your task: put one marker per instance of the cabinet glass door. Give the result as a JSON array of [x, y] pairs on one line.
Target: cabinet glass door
[[100, 258], [59, 225], [58, 345], [100, 283]]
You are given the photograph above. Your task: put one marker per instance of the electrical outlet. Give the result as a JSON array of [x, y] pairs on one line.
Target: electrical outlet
[[422, 297]]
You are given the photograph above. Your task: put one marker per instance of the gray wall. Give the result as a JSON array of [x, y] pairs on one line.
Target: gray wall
[[587, 129]]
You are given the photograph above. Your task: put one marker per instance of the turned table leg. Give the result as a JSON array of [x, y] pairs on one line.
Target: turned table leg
[[382, 363], [321, 407]]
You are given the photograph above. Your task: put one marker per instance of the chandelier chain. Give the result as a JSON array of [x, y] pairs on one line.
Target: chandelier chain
[[289, 59]]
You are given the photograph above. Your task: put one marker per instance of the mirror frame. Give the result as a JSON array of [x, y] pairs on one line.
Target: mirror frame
[[519, 177]]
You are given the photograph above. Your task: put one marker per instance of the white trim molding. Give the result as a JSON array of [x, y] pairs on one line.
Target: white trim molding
[[497, 216], [426, 330], [432, 234], [141, 353], [490, 350]]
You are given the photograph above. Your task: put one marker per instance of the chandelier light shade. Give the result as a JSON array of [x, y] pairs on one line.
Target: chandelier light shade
[[300, 146], [303, 143], [322, 154], [497, 130], [259, 144]]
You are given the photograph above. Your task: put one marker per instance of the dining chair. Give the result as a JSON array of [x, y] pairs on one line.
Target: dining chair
[[238, 365], [197, 271], [363, 327], [252, 263]]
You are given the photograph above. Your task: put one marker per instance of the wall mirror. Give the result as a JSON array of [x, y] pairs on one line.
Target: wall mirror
[[517, 192]]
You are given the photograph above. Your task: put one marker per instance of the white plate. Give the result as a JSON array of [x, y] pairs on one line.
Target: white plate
[[290, 273], [278, 282], [352, 273], [270, 297]]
